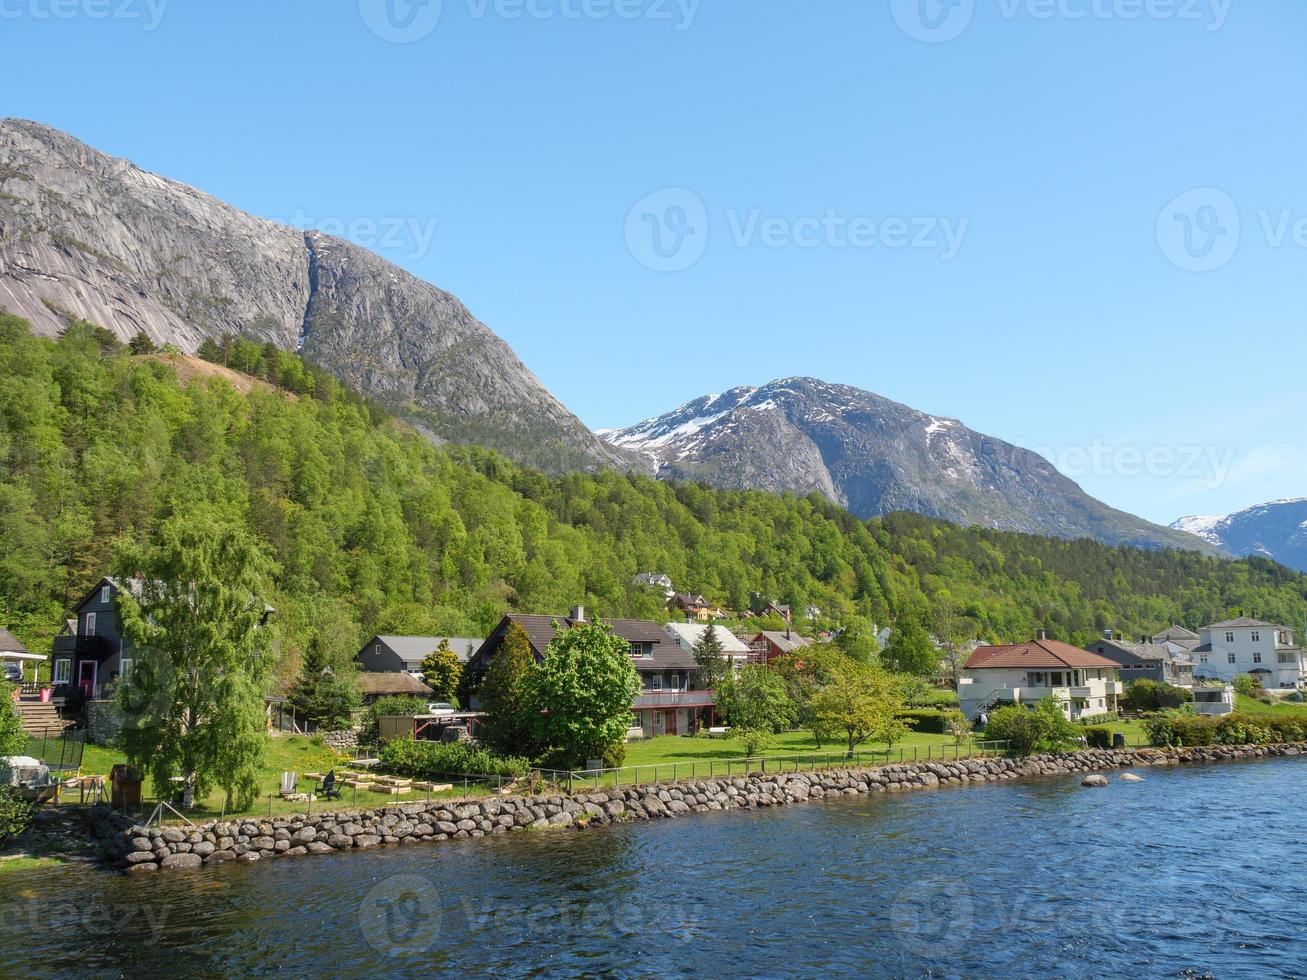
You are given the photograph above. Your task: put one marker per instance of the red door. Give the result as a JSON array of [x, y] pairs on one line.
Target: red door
[[86, 678]]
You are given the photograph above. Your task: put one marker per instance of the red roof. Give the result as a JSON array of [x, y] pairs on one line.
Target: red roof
[[1037, 654]]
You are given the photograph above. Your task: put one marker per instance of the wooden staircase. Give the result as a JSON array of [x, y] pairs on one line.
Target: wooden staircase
[[41, 719]]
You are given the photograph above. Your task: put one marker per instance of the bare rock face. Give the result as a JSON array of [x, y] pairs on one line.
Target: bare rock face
[[93, 236], [874, 456]]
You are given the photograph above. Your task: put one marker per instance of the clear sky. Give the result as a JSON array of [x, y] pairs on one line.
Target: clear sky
[[974, 206]]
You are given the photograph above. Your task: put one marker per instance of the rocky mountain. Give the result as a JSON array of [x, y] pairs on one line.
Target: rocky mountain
[[874, 456], [1277, 530], [88, 235]]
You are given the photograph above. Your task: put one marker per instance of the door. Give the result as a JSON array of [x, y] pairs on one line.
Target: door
[[671, 722], [86, 678]]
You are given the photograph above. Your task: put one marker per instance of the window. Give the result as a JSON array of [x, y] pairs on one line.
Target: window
[[658, 682], [376, 650], [125, 672], [1257, 656], [1229, 638], [90, 625], [63, 671], [1202, 658], [104, 595], [1285, 657], [1229, 657], [1257, 636]]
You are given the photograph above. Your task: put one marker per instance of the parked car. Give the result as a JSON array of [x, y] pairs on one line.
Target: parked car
[[12, 672], [441, 708]]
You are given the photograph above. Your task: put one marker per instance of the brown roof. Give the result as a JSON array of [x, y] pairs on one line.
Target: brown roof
[[9, 643], [540, 631], [396, 683], [1037, 654]]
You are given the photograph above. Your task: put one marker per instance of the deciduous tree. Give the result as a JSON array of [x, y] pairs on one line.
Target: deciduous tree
[[859, 703], [443, 672]]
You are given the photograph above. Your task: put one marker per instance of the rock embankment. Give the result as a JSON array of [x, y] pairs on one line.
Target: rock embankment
[[138, 849]]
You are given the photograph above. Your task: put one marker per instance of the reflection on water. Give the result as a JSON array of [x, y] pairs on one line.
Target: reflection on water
[[1194, 870]]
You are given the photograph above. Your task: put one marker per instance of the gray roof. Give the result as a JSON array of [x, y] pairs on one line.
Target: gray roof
[[1243, 622], [1139, 651], [540, 630], [1176, 633], [417, 647], [786, 644], [9, 643]]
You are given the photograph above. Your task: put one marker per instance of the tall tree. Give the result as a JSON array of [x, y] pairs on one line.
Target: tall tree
[[326, 693], [859, 703], [443, 672], [503, 695], [756, 705], [194, 703], [714, 668], [580, 695], [910, 650]]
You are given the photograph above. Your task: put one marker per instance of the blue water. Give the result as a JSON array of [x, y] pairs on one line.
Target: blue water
[[1193, 872]]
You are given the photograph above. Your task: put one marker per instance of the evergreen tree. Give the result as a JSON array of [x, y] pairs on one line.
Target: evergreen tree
[[443, 672], [714, 667], [194, 703], [141, 344], [325, 693], [508, 727]]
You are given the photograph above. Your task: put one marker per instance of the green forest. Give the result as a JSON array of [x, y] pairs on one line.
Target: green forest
[[372, 528]]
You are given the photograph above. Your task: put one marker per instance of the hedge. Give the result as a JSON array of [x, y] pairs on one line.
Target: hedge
[[425, 760], [928, 721], [1174, 729], [1098, 737]]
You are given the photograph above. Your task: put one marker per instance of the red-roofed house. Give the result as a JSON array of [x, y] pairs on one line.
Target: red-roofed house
[[1083, 683]]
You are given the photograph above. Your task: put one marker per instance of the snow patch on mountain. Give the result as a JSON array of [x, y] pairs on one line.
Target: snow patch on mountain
[[1202, 526]]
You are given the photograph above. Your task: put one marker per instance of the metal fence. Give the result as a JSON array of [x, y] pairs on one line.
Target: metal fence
[[587, 779], [60, 749]]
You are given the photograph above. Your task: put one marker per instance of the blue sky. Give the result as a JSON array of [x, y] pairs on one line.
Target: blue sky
[[1078, 225]]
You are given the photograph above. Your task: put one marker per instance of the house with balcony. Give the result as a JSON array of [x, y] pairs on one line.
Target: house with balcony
[[90, 655], [1250, 646], [670, 700], [1084, 684], [1145, 660]]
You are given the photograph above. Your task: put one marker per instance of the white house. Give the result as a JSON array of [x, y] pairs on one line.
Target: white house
[[686, 635], [1250, 646], [1083, 683], [655, 580]]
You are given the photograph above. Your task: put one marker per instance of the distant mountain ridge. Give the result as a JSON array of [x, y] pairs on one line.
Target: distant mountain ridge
[[94, 236], [1275, 530], [874, 456]]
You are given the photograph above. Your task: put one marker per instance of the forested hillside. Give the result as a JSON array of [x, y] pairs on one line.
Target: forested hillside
[[373, 528]]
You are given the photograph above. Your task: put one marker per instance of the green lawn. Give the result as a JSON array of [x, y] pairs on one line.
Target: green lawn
[[1251, 706]]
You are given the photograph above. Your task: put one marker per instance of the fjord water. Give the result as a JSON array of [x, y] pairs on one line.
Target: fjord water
[[1192, 872]]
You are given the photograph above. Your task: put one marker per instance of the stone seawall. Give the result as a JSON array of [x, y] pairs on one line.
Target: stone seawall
[[138, 850]]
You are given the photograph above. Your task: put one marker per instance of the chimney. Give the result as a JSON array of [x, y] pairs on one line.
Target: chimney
[[1043, 634], [578, 614], [1107, 635]]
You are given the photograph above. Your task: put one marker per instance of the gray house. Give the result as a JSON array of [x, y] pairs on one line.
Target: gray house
[[1146, 660], [404, 654]]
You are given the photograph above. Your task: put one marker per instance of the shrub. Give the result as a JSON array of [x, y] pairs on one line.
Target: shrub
[[425, 760], [929, 721], [1180, 730], [15, 815], [1042, 728], [1097, 720], [1246, 684], [1098, 737], [1145, 695]]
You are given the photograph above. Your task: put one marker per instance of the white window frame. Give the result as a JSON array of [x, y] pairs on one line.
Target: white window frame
[[63, 671], [104, 595], [657, 682], [1257, 656], [1229, 636], [1257, 636], [1230, 657], [90, 625], [125, 666]]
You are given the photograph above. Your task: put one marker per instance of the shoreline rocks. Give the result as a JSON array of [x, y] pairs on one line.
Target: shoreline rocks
[[140, 850]]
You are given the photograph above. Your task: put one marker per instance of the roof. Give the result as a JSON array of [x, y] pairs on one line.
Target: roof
[[396, 683], [1175, 632], [9, 643], [1243, 622], [540, 631], [1037, 654], [786, 644], [1136, 651], [688, 634], [417, 647]]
